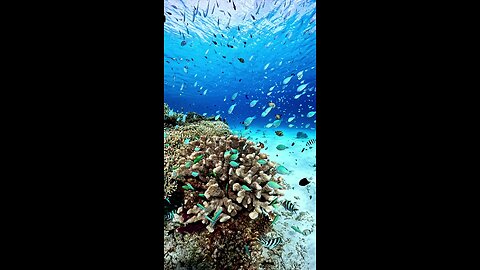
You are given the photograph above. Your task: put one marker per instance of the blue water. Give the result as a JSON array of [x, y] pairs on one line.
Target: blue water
[[283, 35]]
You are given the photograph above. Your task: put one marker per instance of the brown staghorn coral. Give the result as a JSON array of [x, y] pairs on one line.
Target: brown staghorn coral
[[227, 172]]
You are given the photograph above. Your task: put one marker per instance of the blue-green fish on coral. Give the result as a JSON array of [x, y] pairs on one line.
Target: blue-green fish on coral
[[233, 164], [273, 184], [234, 157], [246, 188], [197, 159], [262, 161]]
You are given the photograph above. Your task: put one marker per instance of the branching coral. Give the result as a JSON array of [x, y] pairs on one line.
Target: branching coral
[[228, 175], [175, 139]]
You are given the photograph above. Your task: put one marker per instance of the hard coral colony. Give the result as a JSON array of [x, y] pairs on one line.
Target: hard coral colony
[[228, 189]]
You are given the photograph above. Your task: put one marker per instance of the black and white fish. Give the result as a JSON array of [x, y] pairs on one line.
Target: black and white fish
[[169, 215], [270, 243], [289, 206], [310, 142]]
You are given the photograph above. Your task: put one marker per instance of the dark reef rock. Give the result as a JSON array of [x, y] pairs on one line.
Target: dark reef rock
[[192, 228], [302, 135]]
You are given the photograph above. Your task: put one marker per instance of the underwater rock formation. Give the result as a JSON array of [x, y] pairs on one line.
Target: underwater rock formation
[[302, 135]]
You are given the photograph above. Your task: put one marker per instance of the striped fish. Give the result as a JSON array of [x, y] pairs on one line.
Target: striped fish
[[288, 205], [169, 216], [310, 142], [270, 243]]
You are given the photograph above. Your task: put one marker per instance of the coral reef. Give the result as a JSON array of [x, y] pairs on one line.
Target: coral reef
[[226, 175], [172, 118], [175, 139], [221, 189]]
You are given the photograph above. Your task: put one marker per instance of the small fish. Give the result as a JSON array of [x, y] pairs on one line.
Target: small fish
[[271, 104], [310, 142], [293, 143], [279, 133], [267, 110], [303, 182], [234, 156], [197, 159], [253, 103], [282, 170], [295, 228], [281, 147], [303, 150], [278, 116], [234, 7], [230, 110], [201, 206], [234, 96], [248, 121], [233, 164], [246, 188], [261, 145], [300, 75], [270, 243], [299, 95], [289, 206], [273, 184], [310, 114], [275, 219], [252, 17], [247, 251], [262, 161], [188, 164], [277, 123], [186, 141], [266, 66], [241, 60], [274, 202], [287, 80], [301, 87], [170, 215], [269, 125], [216, 117], [183, 43], [290, 119], [188, 187], [194, 174]]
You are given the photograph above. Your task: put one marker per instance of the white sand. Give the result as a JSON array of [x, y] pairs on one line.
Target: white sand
[[298, 251]]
